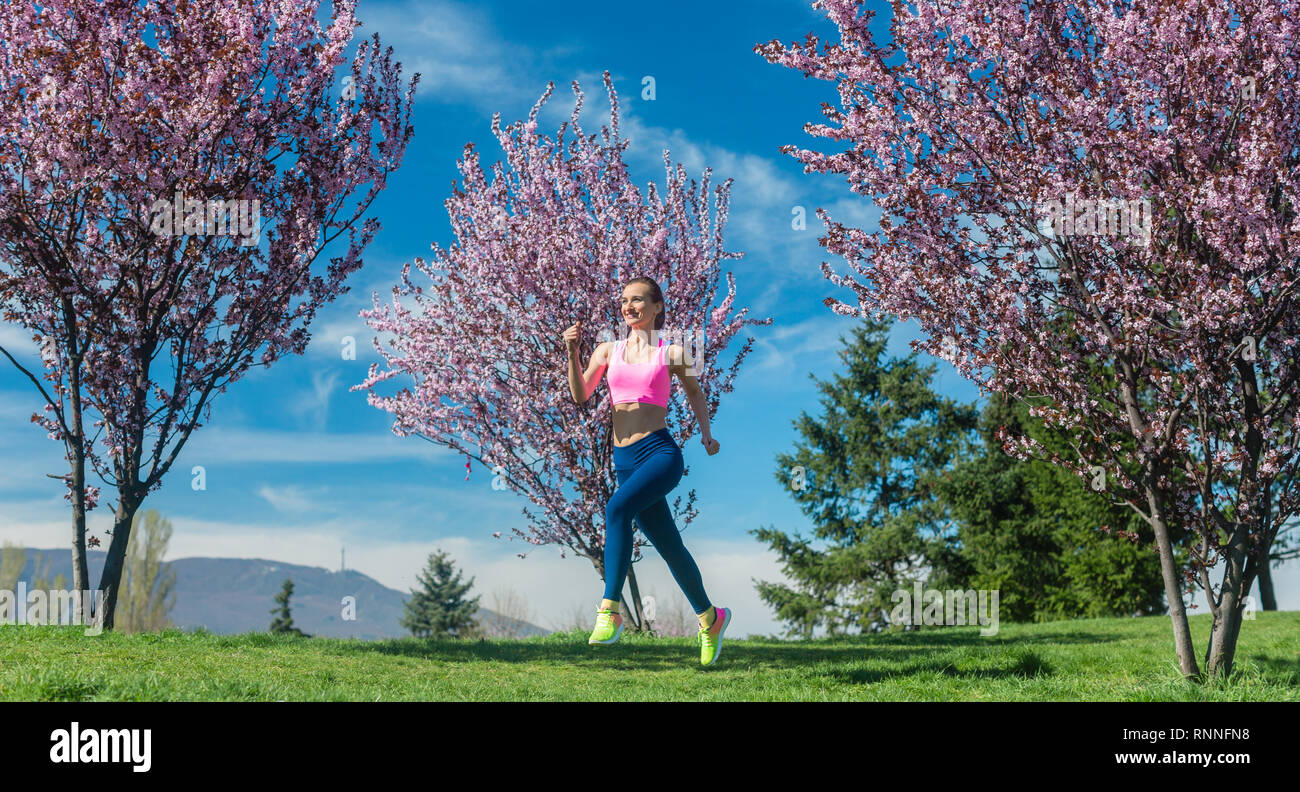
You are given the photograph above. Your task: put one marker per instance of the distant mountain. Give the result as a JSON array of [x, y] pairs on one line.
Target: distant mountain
[[235, 595]]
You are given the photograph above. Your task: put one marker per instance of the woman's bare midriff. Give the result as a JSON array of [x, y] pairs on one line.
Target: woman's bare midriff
[[635, 420]]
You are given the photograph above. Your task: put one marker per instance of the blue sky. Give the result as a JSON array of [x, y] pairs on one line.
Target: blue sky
[[297, 466]]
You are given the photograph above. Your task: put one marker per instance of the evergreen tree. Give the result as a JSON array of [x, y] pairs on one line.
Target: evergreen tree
[[864, 474], [283, 621], [439, 609]]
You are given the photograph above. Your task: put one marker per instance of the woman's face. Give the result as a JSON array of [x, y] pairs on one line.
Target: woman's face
[[638, 306]]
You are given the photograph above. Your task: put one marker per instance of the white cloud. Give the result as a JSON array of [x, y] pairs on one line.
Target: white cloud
[[762, 196], [18, 342], [341, 318], [219, 444], [764, 200], [328, 337], [292, 500], [459, 56], [315, 401], [854, 210], [18, 406], [784, 352]]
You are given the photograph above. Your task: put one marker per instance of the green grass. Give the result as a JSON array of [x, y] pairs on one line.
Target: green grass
[[1091, 660]]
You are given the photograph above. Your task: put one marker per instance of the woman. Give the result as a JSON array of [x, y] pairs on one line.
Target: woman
[[647, 461]]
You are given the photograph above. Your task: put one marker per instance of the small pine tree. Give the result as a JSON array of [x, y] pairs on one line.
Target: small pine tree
[[440, 610], [283, 621]]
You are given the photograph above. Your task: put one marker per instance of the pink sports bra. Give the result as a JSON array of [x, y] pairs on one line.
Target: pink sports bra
[[638, 382]]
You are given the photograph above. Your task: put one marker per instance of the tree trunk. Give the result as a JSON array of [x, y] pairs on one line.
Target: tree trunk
[[1223, 638], [80, 569], [1237, 576], [1267, 599], [111, 579], [1227, 617], [1222, 648], [1173, 591]]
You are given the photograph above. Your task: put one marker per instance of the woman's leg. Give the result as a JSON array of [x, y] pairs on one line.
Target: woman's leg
[[618, 544], [657, 524], [637, 490]]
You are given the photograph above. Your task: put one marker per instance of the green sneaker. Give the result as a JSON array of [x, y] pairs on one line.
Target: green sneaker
[[609, 625], [711, 637]]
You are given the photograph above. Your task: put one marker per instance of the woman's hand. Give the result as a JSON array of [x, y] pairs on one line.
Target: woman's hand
[[573, 335], [710, 444]]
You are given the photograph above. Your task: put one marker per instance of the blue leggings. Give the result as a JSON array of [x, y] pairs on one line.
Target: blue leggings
[[647, 471]]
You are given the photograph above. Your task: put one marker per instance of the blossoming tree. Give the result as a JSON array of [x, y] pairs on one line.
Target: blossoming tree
[[549, 240], [1084, 187], [141, 146]]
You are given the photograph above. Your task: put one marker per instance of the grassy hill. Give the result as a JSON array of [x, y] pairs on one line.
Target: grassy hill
[[1092, 660]]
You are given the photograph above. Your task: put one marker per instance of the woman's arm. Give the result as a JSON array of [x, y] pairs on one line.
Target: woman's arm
[[695, 397], [581, 386]]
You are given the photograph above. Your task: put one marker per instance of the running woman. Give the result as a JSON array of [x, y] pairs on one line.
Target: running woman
[[647, 461]]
